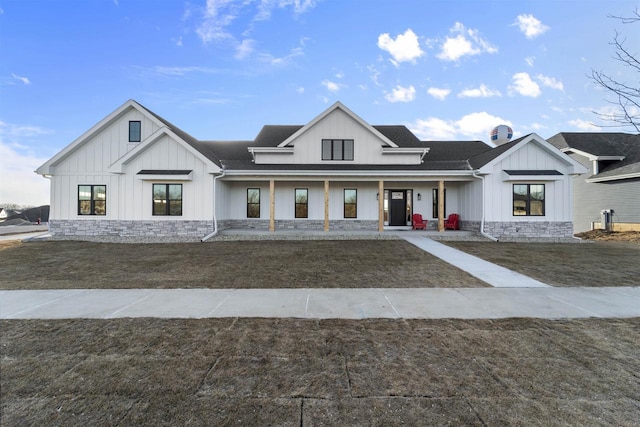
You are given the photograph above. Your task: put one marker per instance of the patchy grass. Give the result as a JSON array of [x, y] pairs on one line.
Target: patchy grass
[[564, 264], [315, 372], [248, 264]]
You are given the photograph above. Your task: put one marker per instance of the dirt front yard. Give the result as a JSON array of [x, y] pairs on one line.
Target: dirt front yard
[[316, 373], [240, 264], [600, 263]]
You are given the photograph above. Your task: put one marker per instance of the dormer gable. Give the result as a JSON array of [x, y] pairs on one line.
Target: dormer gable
[[337, 136]]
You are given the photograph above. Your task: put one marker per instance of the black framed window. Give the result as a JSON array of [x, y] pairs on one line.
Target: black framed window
[[350, 203], [434, 214], [528, 199], [92, 199], [302, 203], [167, 199], [135, 131], [337, 149], [253, 203]]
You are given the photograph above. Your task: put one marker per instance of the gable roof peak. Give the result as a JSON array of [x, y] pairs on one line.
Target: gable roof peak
[[338, 106]]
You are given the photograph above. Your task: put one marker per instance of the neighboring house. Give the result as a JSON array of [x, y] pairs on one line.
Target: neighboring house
[[612, 180], [134, 173]]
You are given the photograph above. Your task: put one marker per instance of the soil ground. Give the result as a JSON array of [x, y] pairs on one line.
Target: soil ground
[[314, 373], [615, 236], [245, 264], [600, 263]]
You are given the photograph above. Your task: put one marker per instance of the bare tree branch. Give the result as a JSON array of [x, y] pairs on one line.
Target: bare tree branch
[[628, 96]]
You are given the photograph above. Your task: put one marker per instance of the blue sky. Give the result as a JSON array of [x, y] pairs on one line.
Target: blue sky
[[221, 69]]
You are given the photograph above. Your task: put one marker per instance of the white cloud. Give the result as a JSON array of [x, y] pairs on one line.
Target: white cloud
[[481, 92], [524, 85], [401, 94], [433, 128], [583, 125], [530, 60], [332, 86], [299, 7], [300, 89], [18, 183], [550, 82], [405, 47], [464, 42], [474, 125], [282, 60], [244, 49], [221, 18], [24, 80], [530, 26], [438, 93]]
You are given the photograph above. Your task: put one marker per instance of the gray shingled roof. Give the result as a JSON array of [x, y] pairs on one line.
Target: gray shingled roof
[[604, 144], [442, 156], [479, 160]]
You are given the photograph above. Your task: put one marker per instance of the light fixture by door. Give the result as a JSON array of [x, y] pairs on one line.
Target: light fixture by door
[[419, 196]]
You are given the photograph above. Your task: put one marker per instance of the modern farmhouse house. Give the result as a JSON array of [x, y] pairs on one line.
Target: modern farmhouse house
[[134, 173]]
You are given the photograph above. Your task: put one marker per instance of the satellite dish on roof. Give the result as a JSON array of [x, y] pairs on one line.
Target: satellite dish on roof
[[501, 134]]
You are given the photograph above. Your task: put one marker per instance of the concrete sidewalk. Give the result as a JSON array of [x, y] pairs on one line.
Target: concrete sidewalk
[[436, 303]]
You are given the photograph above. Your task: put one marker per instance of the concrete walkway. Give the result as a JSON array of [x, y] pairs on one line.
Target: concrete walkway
[[437, 303], [492, 274]]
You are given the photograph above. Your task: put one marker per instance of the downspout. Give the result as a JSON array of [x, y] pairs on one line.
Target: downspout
[[488, 236], [215, 219]]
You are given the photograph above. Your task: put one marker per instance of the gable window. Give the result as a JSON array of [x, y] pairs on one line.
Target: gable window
[[253, 203], [135, 131], [92, 199], [350, 203], [337, 149], [528, 199], [434, 214], [302, 203], [167, 199]]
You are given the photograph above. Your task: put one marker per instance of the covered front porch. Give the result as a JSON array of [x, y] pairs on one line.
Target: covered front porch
[[348, 204]]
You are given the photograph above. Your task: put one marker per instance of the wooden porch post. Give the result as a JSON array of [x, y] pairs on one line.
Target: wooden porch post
[[272, 205], [441, 205], [381, 206], [326, 205]]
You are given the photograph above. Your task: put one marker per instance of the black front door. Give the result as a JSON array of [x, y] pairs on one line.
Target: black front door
[[398, 207]]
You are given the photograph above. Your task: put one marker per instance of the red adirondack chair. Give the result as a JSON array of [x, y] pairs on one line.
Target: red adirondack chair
[[452, 223], [419, 223]]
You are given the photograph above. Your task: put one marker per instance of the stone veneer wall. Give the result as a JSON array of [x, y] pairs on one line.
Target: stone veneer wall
[[122, 228], [529, 229], [298, 224]]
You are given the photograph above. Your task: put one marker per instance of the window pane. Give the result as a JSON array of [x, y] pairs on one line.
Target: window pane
[[350, 196], [175, 192], [350, 211], [348, 149], [160, 207], [253, 211], [84, 192], [519, 207], [84, 207], [326, 149], [537, 208], [134, 131], [100, 207], [99, 192], [537, 192], [301, 210], [301, 195], [337, 149], [175, 207], [159, 192], [253, 195]]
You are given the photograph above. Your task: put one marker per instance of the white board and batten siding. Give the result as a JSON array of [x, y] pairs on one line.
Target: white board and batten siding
[[367, 146], [128, 196], [499, 192]]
